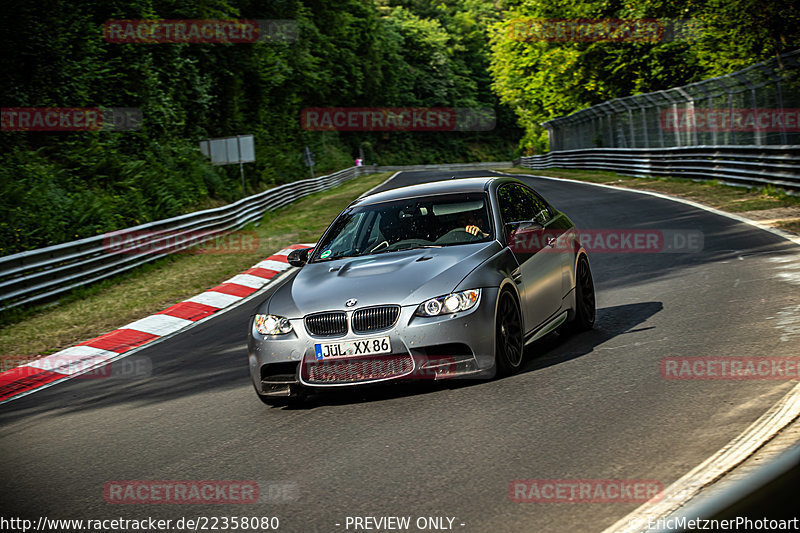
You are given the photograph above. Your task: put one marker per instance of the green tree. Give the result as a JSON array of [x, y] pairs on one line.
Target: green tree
[[542, 79]]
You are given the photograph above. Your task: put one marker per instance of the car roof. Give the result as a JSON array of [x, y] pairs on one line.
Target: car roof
[[447, 186]]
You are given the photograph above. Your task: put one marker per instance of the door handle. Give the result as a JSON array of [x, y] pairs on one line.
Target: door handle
[[551, 241]]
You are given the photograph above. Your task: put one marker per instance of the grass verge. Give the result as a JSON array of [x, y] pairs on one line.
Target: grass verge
[[769, 205], [110, 304]]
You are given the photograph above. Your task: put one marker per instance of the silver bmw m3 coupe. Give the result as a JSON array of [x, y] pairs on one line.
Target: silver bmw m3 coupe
[[443, 280]]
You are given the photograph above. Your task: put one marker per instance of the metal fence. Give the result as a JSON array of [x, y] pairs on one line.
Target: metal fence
[[759, 105], [43, 274], [751, 166]]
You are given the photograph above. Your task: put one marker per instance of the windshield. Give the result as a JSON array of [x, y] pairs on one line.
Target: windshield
[[444, 220]]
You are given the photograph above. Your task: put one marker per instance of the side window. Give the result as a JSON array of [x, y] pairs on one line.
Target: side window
[[538, 209], [509, 201], [503, 201], [523, 205], [518, 203]]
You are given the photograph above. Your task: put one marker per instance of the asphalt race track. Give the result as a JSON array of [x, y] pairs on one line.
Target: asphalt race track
[[593, 406]]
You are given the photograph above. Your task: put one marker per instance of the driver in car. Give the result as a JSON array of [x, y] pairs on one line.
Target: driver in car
[[474, 224]]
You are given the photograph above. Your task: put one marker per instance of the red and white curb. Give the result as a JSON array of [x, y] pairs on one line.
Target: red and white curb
[[91, 354]]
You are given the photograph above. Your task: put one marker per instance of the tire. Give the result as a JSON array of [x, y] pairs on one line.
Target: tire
[[509, 348], [585, 306]]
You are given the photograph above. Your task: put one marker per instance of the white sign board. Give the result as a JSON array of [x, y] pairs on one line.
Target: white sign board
[[229, 150]]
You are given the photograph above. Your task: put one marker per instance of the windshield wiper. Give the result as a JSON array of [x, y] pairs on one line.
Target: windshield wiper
[[335, 257], [408, 247]]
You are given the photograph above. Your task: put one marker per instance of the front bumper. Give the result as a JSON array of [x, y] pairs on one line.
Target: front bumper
[[442, 347]]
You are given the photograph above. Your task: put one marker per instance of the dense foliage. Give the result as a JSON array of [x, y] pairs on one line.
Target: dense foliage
[[56, 187], [544, 78]]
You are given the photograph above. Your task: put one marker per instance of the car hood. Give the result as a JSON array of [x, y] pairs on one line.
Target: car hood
[[405, 278]]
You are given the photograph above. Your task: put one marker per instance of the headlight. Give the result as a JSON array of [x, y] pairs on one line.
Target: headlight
[[449, 303], [272, 325]]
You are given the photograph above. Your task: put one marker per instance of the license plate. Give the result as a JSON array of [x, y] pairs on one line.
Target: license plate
[[372, 346]]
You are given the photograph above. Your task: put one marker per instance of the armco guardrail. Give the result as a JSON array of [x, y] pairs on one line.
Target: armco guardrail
[[43, 274], [443, 167], [752, 166]]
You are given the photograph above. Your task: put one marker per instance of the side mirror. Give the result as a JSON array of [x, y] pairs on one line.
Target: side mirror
[[298, 258], [521, 228], [522, 236]]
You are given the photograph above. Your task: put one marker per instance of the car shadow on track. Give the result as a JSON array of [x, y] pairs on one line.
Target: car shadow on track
[[550, 350], [610, 322]]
